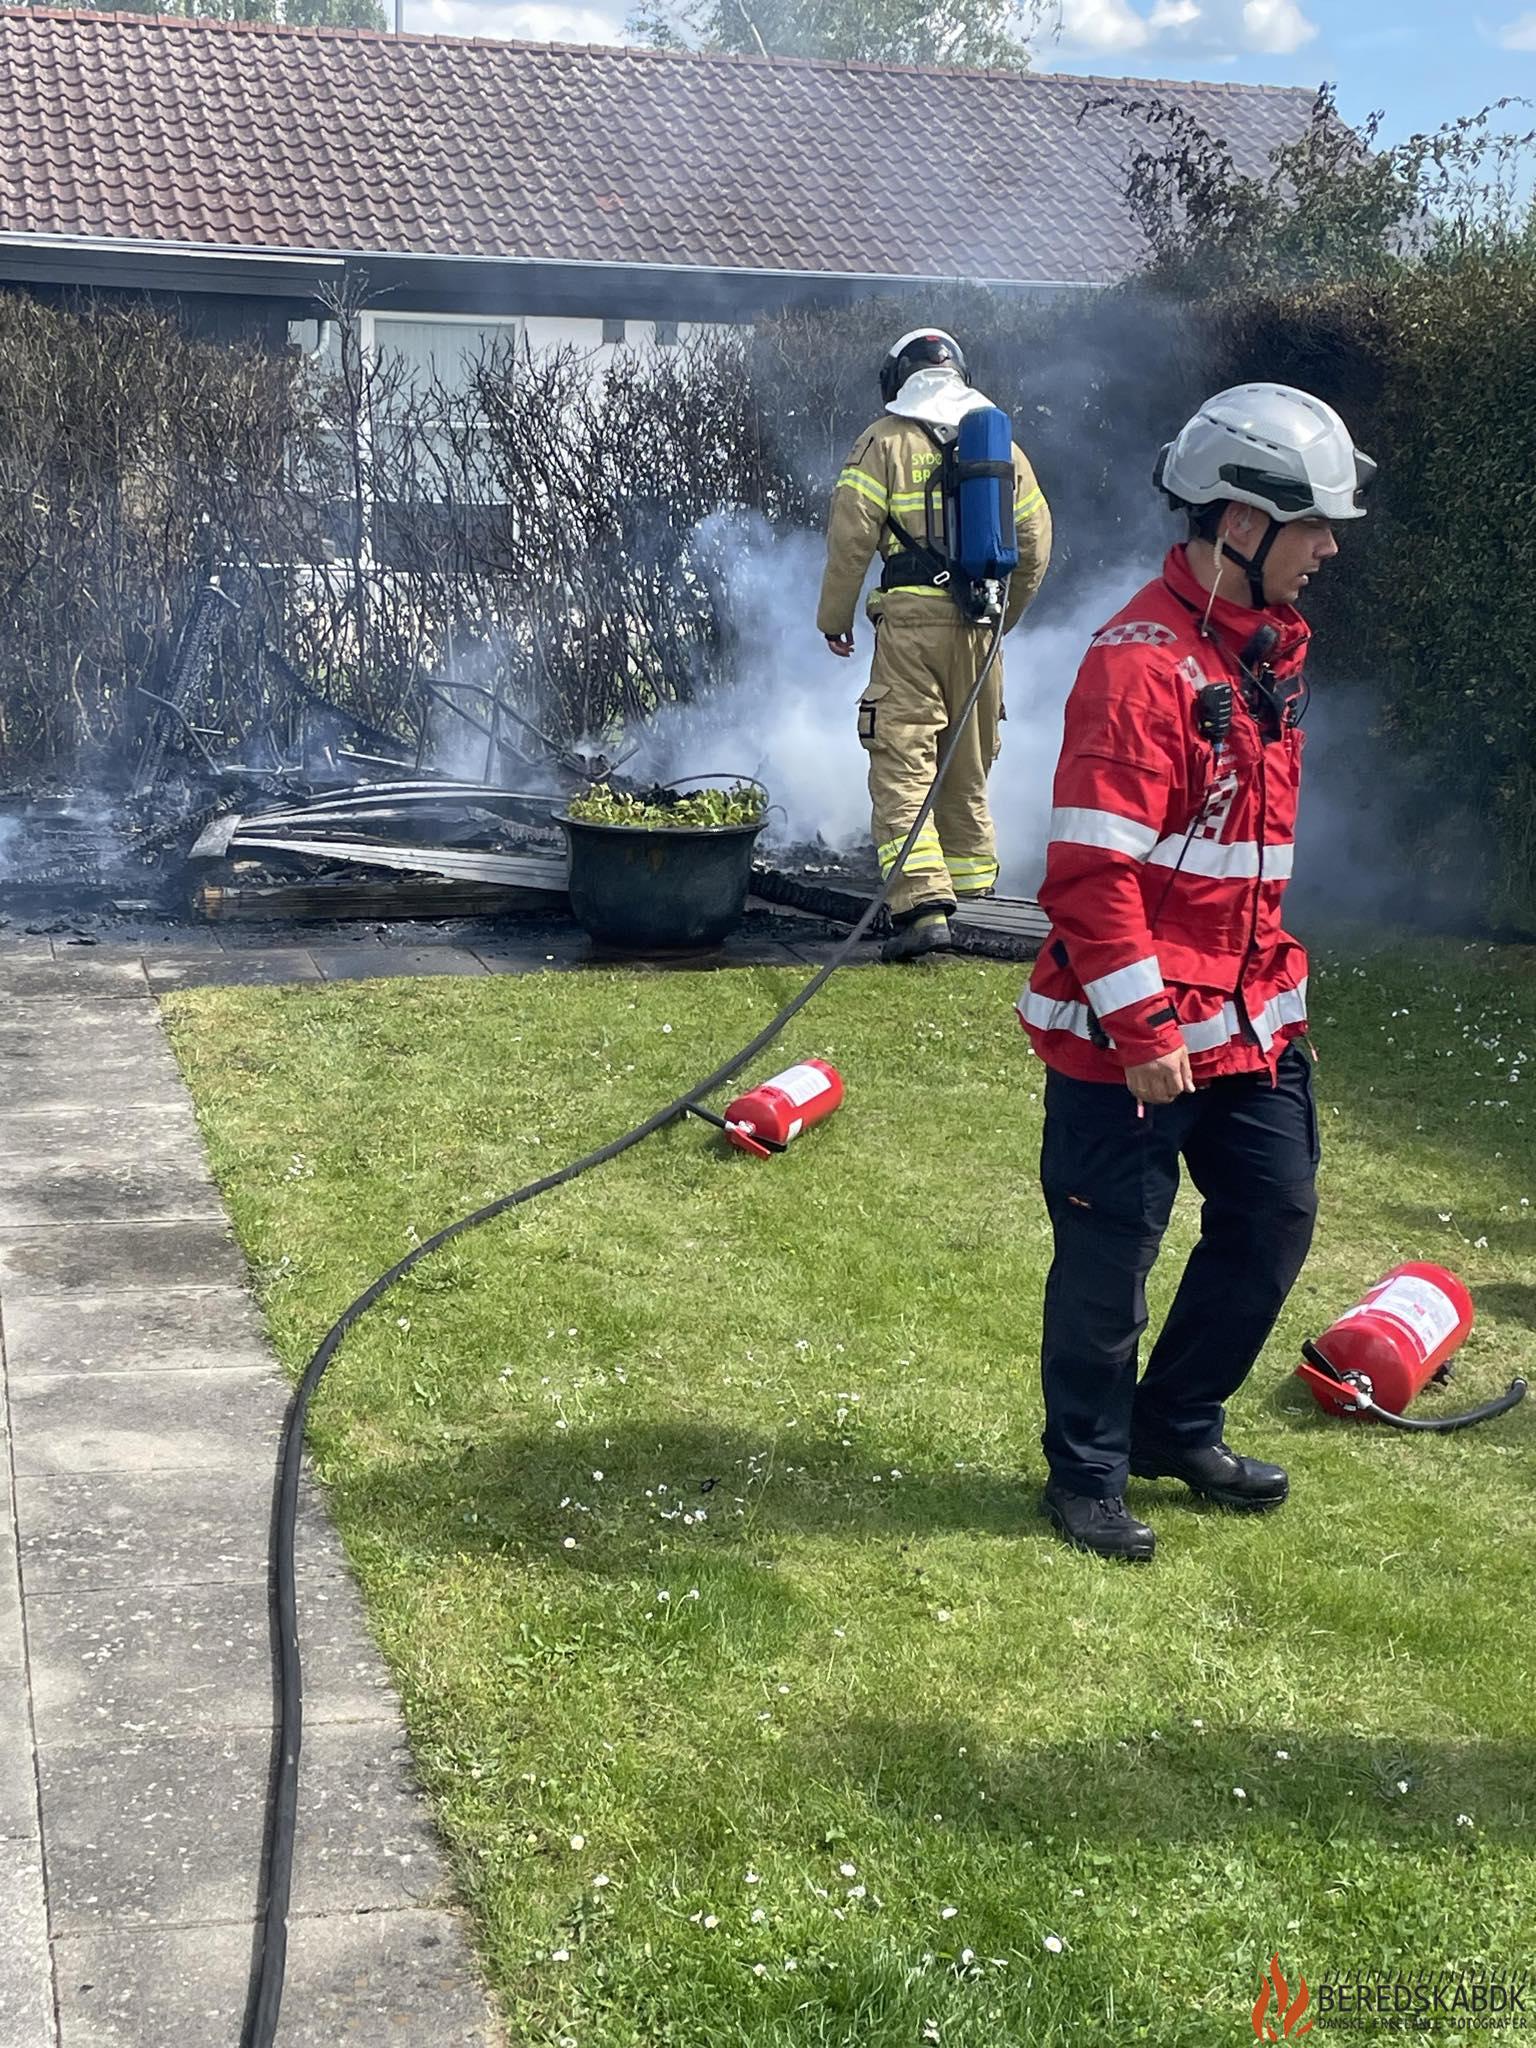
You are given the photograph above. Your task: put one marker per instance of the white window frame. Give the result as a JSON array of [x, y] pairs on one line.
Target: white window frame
[[370, 342]]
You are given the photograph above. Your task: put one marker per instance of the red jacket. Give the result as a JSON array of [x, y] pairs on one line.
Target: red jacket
[[1146, 954]]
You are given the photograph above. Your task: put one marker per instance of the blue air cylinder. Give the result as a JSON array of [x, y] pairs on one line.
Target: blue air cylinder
[[983, 541]]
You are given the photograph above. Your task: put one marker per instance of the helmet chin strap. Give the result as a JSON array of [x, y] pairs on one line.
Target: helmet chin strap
[[1252, 564], [1210, 602]]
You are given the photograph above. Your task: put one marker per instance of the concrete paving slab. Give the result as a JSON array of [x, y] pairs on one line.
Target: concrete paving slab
[[165, 1127], [158, 1660], [189, 1329], [536, 955], [146, 1421], [87, 1533], [816, 953], [43, 1030], [175, 1330], [92, 972], [96, 955], [180, 938], [369, 1980], [169, 1831], [10, 1585], [12, 1638], [18, 1781], [107, 1188], [277, 935], [26, 1974], [759, 952], [200, 967], [10, 1600], [373, 962], [84, 1082], [100, 1258]]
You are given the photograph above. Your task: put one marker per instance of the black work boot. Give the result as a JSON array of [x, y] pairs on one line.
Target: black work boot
[[926, 934], [1100, 1525], [1217, 1473]]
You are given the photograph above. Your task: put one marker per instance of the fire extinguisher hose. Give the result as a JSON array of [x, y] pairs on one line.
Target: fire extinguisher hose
[[1438, 1425], [265, 1997]]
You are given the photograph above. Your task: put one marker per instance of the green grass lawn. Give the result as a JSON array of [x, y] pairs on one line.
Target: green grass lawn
[[695, 1506]]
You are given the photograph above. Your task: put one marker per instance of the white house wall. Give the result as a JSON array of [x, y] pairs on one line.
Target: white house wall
[[433, 334], [545, 331]]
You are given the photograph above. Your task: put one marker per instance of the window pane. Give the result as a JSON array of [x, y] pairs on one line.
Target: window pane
[[445, 349]]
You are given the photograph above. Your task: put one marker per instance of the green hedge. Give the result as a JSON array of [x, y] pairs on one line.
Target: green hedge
[[1436, 374]]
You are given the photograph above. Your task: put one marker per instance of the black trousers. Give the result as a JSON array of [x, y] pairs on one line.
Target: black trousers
[[1110, 1178]]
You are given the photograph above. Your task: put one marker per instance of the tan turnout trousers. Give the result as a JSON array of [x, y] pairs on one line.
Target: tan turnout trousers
[[927, 656], [923, 671]]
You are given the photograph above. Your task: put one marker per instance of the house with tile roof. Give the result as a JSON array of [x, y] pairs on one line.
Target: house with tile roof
[[239, 170]]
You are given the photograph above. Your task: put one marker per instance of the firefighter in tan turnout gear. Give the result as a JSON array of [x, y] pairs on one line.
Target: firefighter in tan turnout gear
[[928, 652]]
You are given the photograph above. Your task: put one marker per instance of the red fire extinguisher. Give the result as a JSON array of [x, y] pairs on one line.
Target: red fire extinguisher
[[767, 1117], [1385, 1350]]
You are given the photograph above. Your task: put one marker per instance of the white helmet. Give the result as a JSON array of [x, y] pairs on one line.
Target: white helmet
[[925, 348], [1271, 446]]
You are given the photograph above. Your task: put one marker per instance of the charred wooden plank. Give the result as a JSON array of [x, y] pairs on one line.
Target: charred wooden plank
[[407, 896]]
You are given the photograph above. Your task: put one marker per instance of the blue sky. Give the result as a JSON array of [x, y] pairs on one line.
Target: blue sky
[[1422, 61]]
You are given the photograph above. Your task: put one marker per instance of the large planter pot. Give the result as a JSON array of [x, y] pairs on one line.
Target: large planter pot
[[659, 888]]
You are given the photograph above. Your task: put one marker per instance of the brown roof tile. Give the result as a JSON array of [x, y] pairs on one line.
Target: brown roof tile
[[246, 135]]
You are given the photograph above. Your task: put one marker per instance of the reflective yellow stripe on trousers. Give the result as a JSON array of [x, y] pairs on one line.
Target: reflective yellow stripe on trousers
[[972, 877], [926, 857]]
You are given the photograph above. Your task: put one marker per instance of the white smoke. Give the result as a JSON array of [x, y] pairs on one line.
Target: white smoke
[[789, 714], [1039, 664]]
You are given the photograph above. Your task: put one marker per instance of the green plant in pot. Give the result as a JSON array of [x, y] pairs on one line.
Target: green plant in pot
[[665, 868]]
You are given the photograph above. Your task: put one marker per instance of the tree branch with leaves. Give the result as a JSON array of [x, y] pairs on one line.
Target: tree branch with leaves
[[989, 34]]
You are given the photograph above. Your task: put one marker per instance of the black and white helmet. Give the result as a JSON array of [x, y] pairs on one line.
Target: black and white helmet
[[925, 348], [1271, 446]]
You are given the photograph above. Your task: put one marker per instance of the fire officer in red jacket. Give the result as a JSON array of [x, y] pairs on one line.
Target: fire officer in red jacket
[[1169, 1002]]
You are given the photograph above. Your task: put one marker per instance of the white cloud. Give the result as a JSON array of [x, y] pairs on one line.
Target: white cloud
[[1173, 14], [1519, 34], [1214, 31], [532, 21], [1103, 25], [1277, 27]]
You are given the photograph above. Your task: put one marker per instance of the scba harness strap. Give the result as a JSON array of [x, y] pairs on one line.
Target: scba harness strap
[[918, 565]]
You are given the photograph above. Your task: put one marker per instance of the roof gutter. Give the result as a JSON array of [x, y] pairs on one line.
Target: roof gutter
[[103, 263], [120, 245], [123, 248]]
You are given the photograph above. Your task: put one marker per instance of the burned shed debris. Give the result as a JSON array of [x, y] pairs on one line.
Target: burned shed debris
[[309, 811], [283, 805]]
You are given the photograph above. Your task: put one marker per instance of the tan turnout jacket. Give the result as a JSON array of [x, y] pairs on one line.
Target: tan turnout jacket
[[888, 472]]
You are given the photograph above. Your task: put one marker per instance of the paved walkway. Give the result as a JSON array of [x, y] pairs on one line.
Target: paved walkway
[[141, 1417], [160, 957]]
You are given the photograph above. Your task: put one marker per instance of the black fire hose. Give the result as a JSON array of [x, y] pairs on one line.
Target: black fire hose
[[1359, 1387], [266, 1988]]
